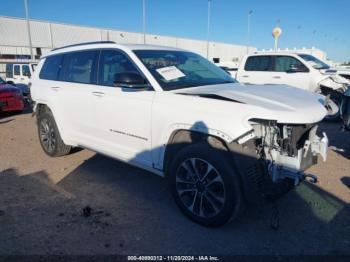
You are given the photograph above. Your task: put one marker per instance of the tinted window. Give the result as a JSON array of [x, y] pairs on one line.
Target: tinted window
[[17, 70], [111, 63], [51, 67], [258, 63], [79, 67], [284, 63], [9, 70], [26, 70]]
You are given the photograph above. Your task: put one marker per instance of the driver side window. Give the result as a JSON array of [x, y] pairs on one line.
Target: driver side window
[[113, 62], [284, 63]]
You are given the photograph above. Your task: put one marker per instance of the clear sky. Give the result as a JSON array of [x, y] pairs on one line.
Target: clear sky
[[322, 23]]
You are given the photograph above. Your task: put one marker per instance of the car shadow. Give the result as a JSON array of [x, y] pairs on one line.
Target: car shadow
[[130, 211]]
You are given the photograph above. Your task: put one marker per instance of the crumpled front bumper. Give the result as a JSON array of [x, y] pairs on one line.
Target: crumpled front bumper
[[284, 166]]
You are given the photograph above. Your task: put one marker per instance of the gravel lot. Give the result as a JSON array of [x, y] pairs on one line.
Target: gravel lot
[[42, 201]]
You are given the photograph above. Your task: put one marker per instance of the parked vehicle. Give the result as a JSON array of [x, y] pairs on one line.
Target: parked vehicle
[[169, 111], [303, 71], [19, 73], [345, 110], [343, 72], [230, 67], [11, 98]]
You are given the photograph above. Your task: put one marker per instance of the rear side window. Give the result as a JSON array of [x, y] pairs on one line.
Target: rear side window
[[9, 70], [16, 70], [111, 63], [51, 67], [78, 67], [284, 63], [258, 63]]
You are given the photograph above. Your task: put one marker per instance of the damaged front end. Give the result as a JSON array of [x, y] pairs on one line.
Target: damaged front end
[[287, 149]]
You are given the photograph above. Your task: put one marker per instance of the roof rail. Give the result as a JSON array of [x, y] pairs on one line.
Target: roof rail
[[86, 43]]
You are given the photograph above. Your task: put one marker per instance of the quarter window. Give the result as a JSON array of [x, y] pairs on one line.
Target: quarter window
[[284, 63], [79, 67], [17, 70], [51, 67], [258, 63], [111, 63]]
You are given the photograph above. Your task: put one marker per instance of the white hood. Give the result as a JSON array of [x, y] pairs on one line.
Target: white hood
[[277, 102]]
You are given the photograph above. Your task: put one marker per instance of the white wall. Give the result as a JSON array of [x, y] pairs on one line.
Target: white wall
[[46, 35]]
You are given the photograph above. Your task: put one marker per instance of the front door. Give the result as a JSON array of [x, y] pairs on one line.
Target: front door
[[282, 74], [122, 115]]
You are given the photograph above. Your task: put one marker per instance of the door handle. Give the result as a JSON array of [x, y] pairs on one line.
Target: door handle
[[99, 94], [245, 76], [55, 88], [276, 77]]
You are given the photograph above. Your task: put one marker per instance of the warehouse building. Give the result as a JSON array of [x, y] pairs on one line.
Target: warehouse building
[[14, 41]]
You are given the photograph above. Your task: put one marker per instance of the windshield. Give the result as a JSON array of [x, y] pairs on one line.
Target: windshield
[[180, 69], [2, 81], [314, 62]]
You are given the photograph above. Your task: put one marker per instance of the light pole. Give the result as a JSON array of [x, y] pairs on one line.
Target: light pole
[[208, 28], [297, 37], [144, 20], [313, 40], [248, 30], [28, 29]]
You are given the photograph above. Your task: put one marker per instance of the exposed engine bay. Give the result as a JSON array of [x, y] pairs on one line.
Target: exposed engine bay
[[288, 149]]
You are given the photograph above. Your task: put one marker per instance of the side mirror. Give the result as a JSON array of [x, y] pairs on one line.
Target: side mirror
[[295, 68], [130, 80], [11, 83]]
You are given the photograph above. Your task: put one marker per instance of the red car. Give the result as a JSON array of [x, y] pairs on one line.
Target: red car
[[11, 98]]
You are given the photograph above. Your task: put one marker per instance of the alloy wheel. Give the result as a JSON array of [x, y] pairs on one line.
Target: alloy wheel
[[47, 135], [200, 187]]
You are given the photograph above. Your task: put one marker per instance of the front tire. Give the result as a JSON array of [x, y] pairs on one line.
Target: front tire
[[204, 185], [49, 136]]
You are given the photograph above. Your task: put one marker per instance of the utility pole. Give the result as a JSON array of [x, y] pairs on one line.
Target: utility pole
[[144, 20], [28, 29], [208, 28], [248, 30]]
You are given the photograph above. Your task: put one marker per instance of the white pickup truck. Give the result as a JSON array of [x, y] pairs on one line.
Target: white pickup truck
[[302, 71], [169, 111]]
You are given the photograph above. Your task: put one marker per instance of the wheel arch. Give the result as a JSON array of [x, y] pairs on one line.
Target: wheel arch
[[181, 138]]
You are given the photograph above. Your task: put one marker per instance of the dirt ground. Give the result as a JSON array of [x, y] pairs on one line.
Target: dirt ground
[[42, 201]]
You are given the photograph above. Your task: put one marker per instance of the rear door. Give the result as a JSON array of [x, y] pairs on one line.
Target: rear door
[[26, 74], [77, 79], [257, 70], [283, 75], [17, 74]]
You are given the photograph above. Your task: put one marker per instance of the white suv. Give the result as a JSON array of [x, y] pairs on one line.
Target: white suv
[[174, 113], [299, 70]]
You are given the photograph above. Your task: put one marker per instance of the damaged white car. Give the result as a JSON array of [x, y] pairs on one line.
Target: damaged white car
[[302, 71], [220, 144]]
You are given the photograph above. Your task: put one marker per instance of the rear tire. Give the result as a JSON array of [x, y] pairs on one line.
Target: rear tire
[[49, 136], [204, 185]]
